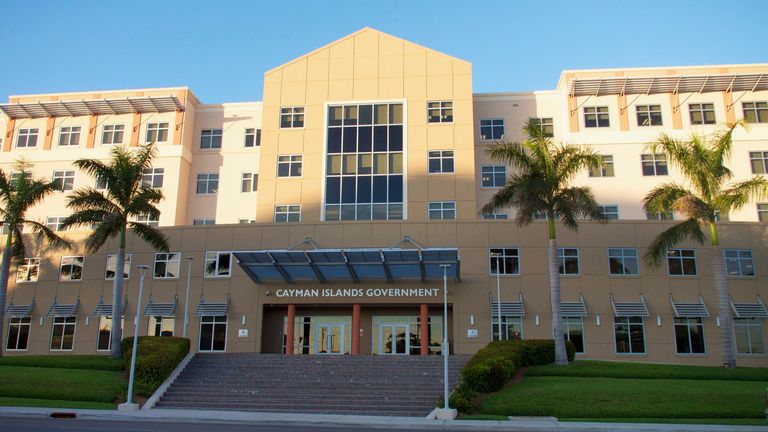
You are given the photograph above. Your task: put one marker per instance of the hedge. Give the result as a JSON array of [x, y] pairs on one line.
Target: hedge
[[156, 358]]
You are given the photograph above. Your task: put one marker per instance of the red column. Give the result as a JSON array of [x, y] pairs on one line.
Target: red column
[[289, 329], [355, 329], [424, 318]]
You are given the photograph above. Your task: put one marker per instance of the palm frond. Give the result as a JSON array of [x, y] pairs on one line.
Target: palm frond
[[574, 203], [670, 238], [662, 198], [50, 236], [89, 198], [513, 154], [569, 160], [151, 235], [18, 249], [109, 226], [737, 195]]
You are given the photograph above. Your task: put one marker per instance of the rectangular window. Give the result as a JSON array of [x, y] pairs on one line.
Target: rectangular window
[[610, 211], [207, 183], [649, 115], [504, 261], [203, 221], [54, 223], [493, 176], [491, 129], [287, 213], [246, 221], [440, 111], [71, 268], [738, 263], [573, 330], [218, 264], [749, 335], [755, 112], [681, 262], [289, 165], [542, 215], [702, 114], [28, 270], [112, 134], [153, 178], [101, 183], [66, 179], [210, 139], [596, 117], [623, 261], [568, 261], [759, 162], [18, 333], [511, 327], [629, 334], [105, 333], [546, 125], [654, 164], [605, 169], [148, 220], [167, 265], [442, 210], [27, 138], [157, 132], [762, 212], [161, 326], [249, 182], [111, 268], [292, 117], [495, 216], [63, 333], [69, 136], [440, 161], [252, 137], [213, 333], [689, 336], [659, 216]]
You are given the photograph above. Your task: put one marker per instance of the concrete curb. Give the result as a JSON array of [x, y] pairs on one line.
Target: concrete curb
[[152, 401]]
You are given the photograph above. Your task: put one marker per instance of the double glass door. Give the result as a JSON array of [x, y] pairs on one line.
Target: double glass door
[[394, 338], [329, 338]]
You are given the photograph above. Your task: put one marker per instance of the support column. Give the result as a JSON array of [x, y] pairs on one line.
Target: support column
[[424, 330], [355, 329], [289, 329]]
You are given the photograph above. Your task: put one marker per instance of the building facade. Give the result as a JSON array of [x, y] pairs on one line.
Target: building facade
[[317, 220]]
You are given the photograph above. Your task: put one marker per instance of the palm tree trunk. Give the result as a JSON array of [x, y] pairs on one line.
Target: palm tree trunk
[[723, 303], [116, 348], [5, 269], [561, 358]]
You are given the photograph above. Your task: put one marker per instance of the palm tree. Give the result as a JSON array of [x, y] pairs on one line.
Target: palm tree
[[703, 197], [18, 193], [125, 198], [541, 184]]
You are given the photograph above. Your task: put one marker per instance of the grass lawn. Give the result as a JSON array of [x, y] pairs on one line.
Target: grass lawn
[[61, 384], [52, 403], [587, 368], [67, 362]]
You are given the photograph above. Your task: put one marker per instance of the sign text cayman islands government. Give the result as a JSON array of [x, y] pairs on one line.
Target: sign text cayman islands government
[[358, 292]]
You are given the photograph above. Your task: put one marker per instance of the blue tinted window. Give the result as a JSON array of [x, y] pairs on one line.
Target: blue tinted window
[[332, 190], [380, 138], [365, 136], [348, 190], [380, 189], [334, 140], [396, 188], [396, 138], [350, 140], [364, 189]]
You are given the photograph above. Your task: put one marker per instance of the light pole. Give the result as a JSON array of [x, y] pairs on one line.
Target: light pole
[[498, 296], [129, 405], [186, 299], [445, 335]]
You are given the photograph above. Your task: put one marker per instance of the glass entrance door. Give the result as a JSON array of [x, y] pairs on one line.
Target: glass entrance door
[[394, 338], [329, 338]]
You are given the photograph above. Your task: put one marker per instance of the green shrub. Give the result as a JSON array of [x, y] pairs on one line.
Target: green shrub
[[537, 352], [490, 374], [462, 399], [156, 358]]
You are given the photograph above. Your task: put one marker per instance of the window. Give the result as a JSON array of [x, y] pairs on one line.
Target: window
[[111, 268], [153, 178], [218, 264], [702, 113], [161, 326], [491, 129], [659, 216], [749, 335], [622, 261], [288, 213], [18, 333], [167, 265], [762, 212], [101, 183], [542, 215], [66, 179], [112, 134], [546, 125], [252, 137], [71, 268], [511, 327], [157, 132], [759, 162], [568, 261], [63, 333], [213, 333], [755, 112], [291, 117], [14, 178], [681, 262], [445, 210], [246, 221], [573, 330], [629, 333], [440, 161], [54, 223], [504, 261], [210, 139], [440, 111], [28, 270], [493, 176], [610, 211], [689, 336], [605, 169], [148, 220], [203, 221], [738, 263], [654, 164], [649, 115], [27, 138], [69, 136], [289, 165], [596, 117], [207, 183], [495, 216], [249, 182], [104, 340]]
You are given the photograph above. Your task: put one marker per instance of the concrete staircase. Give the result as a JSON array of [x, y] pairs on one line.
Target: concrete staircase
[[363, 385]]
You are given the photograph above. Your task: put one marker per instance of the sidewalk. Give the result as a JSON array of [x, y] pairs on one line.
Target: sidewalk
[[400, 423]]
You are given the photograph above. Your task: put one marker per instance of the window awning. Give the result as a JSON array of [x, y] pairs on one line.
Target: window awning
[[689, 310], [668, 84], [749, 310], [19, 311], [105, 309], [212, 308], [62, 310], [75, 108], [514, 309], [354, 265], [629, 309], [160, 309], [573, 309]]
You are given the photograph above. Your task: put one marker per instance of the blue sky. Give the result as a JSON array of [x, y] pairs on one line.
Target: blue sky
[[221, 49]]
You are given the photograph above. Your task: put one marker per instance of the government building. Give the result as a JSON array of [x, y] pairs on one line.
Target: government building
[[325, 218]]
